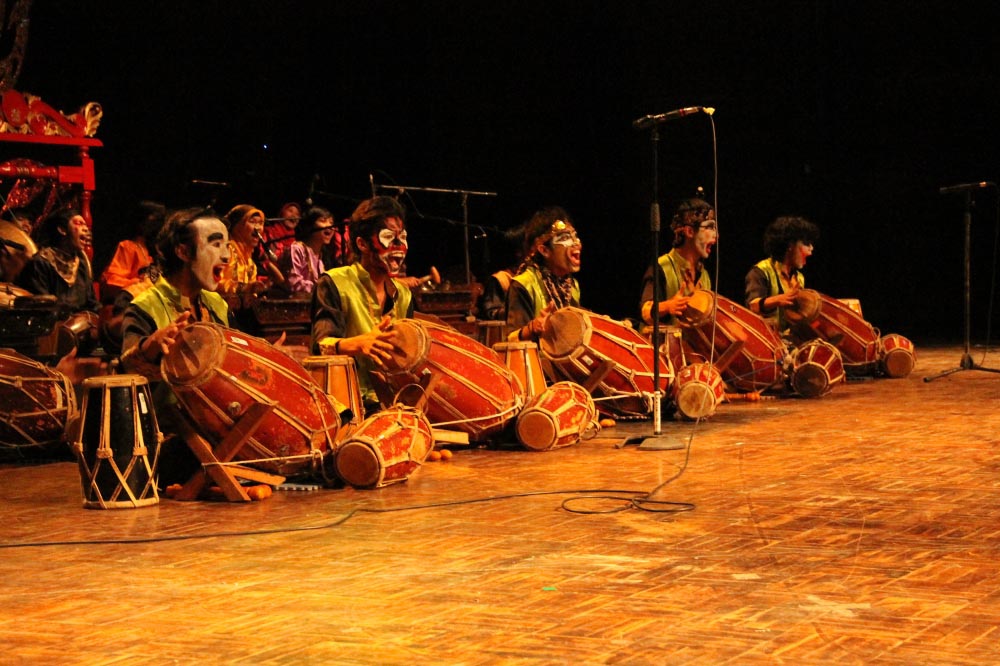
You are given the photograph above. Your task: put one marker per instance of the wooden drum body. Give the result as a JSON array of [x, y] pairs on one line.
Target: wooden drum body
[[606, 356], [896, 356], [218, 373], [522, 359], [387, 448], [337, 376], [748, 351], [35, 404], [838, 324], [116, 441], [816, 368], [557, 417], [698, 390], [466, 385]]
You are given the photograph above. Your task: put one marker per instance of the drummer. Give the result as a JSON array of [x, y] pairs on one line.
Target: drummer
[[545, 279], [353, 306], [696, 232], [771, 283]]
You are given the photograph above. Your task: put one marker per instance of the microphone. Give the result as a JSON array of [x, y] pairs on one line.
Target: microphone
[[267, 246], [649, 121], [965, 187], [312, 189], [210, 183], [371, 181]]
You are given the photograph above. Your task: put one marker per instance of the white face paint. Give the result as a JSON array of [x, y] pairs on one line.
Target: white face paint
[[564, 254], [706, 235], [391, 246], [798, 253], [211, 252]]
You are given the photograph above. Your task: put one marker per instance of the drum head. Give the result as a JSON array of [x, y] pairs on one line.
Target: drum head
[[358, 464], [411, 346], [898, 363], [195, 354], [537, 430], [699, 308], [566, 330], [808, 304]]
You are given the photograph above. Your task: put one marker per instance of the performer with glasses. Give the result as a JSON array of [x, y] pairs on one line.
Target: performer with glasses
[[302, 263]]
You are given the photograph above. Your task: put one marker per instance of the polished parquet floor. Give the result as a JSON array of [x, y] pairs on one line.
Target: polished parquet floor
[[860, 528]]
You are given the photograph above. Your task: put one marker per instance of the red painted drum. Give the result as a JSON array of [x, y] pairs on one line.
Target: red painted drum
[[816, 368], [584, 347], [466, 385], [845, 329], [387, 448], [338, 377], [698, 390], [754, 352], [116, 441], [559, 416], [522, 359], [896, 356], [35, 404], [218, 373]]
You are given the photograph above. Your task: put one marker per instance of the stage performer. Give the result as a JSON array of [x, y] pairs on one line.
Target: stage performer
[[132, 258], [545, 280], [302, 263], [771, 283], [353, 306], [60, 268], [695, 232], [279, 233]]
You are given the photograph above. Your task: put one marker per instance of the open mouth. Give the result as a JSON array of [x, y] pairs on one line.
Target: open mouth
[[394, 261], [574, 257], [218, 271]]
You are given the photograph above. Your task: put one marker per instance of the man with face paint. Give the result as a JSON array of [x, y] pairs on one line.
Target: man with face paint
[[771, 283], [353, 306], [545, 279], [682, 269]]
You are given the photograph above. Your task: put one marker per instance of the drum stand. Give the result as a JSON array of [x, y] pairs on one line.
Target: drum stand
[[655, 441], [966, 363], [215, 463]]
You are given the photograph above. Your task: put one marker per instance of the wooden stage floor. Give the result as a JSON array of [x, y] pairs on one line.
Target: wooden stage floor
[[861, 528]]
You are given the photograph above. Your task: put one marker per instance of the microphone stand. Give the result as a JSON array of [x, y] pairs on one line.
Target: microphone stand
[[655, 442], [465, 194], [966, 363]]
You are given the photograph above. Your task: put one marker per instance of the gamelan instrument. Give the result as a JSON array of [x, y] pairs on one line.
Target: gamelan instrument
[[610, 359], [523, 360], [35, 404], [558, 416], [464, 384], [337, 376], [218, 373], [816, 367], [116, 441], [387, 448], [698, 390]]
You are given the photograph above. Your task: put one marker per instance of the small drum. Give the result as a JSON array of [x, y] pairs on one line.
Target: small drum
[[816, 369], [35, 404], [846, 330], [467, 387], [522, 359], [387, 448], [338, 377], [584, 347], [808, 304], [896, 356], [699, 308], [755, 352], [557, 417], [698, 390], [80, 331], [219, 373], [116, 441]]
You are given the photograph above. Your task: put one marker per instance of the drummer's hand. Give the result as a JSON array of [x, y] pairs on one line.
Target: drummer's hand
[[377, 344], [164, 338], [281, 339], [537, 325], [785, 300], [675, 305], [409, 281]]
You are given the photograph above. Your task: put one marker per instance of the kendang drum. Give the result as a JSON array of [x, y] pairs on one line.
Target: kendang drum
[[806, 308], [845, 329], [337, 375], [559, 416], [218, 373], [116, 441], [816, 368], [896, 356], [387, 448], [465, 385], [699, 308], [610, 357], [79, 331], [698, 390], [522, 359], [749, 353], [35, 404]]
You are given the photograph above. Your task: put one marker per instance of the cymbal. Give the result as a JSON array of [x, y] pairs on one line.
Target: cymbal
[[11, 233]]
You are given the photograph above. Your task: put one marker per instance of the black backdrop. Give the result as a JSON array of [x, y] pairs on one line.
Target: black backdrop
[[851, 113]]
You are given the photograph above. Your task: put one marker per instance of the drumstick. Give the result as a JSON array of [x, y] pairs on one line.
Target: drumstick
[[434, 277]]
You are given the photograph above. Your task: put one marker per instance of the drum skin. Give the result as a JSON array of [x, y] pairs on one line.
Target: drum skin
[[218, 373], [698, 390], [577, 343], [896, 356], [759, 364], [466, 385], [36, 402]]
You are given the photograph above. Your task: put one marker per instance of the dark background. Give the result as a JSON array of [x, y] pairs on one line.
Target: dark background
[[853, 114]]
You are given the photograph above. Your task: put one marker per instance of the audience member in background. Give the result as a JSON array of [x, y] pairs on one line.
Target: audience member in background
[[302, 263]]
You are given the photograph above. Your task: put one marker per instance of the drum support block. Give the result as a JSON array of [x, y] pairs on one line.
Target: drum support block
[[215, 463]]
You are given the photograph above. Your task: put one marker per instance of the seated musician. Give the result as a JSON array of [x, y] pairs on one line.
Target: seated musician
[[493, 302], [61, 268], [544, 282], [353, 306], [279, 233], [771, 283], [302, 263], [695, 232], [132, 256], [193, 250]]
